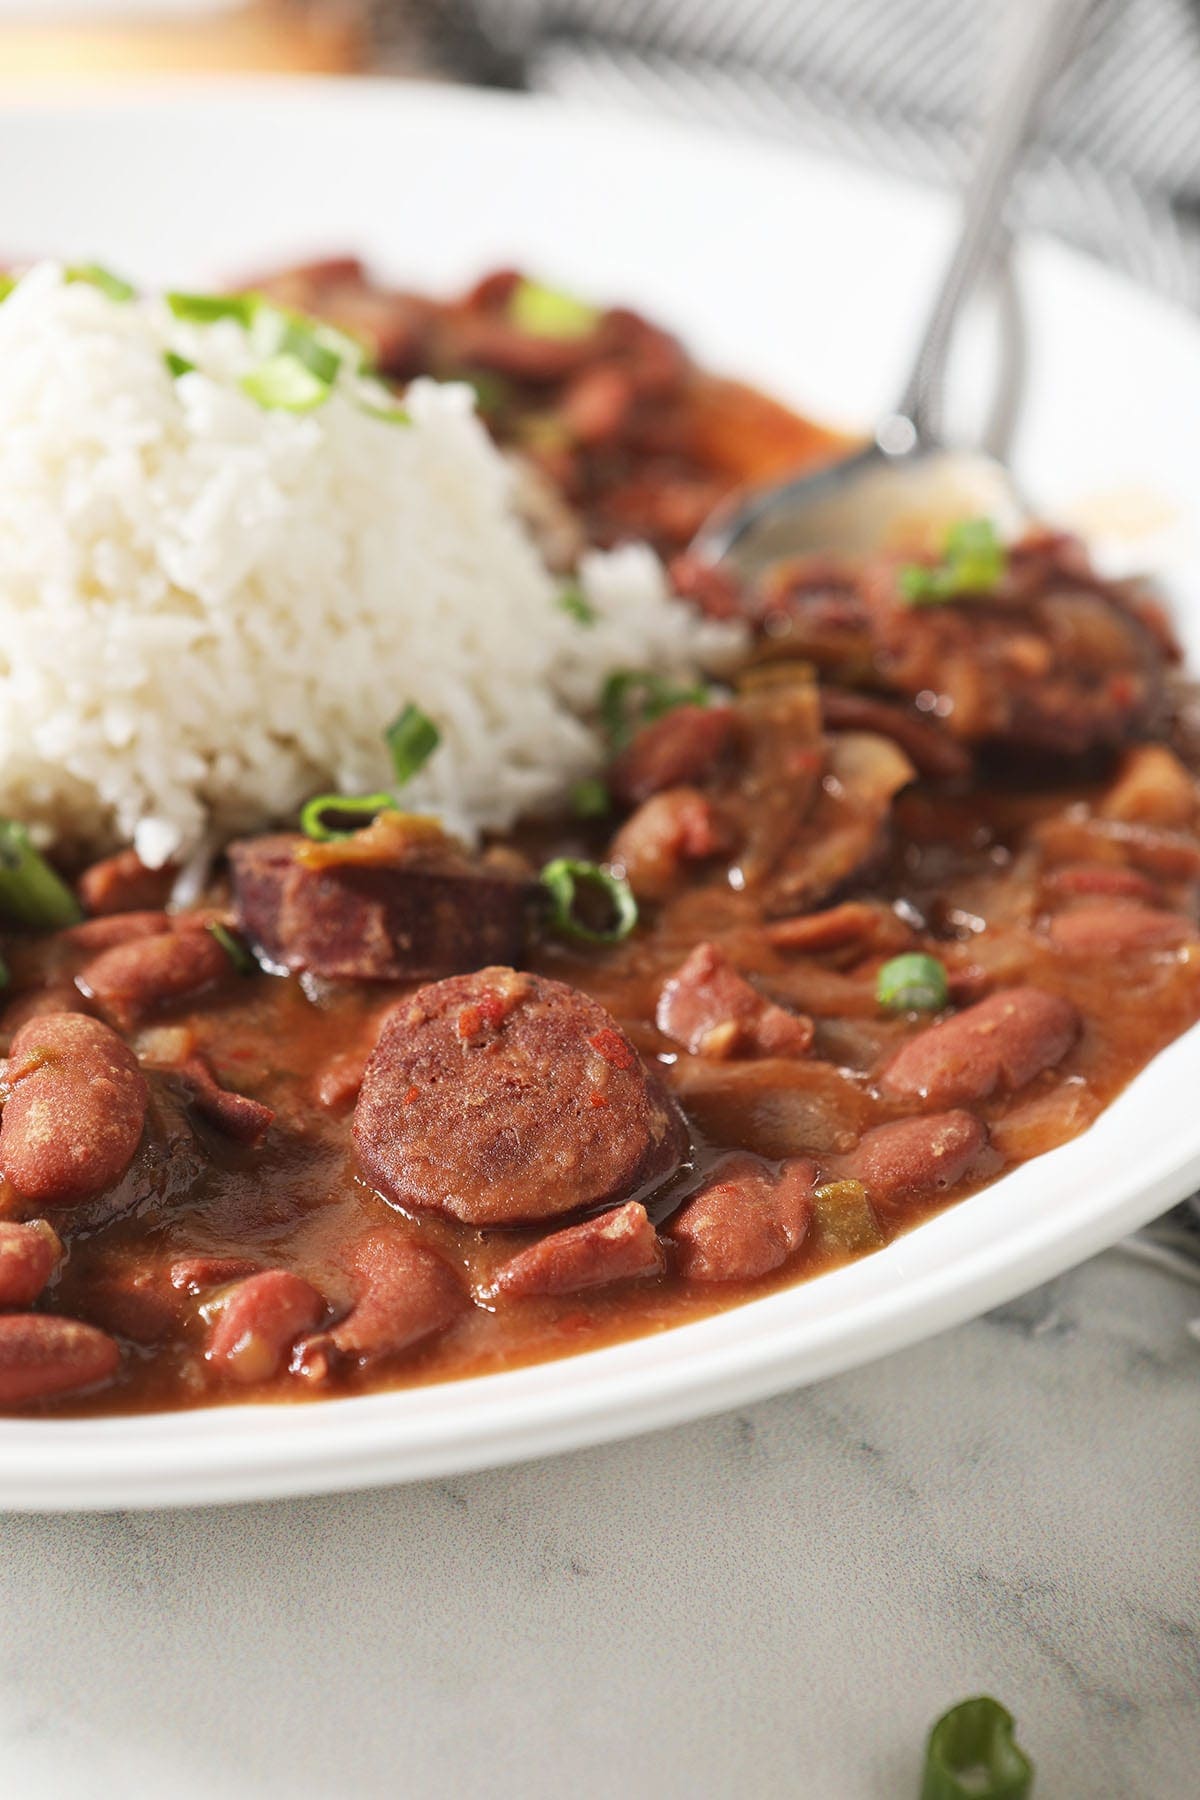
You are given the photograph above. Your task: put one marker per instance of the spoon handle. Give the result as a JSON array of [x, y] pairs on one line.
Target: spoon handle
[[1050, 31]]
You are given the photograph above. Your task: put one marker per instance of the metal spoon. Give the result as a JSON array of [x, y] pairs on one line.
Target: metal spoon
[[907, 472]]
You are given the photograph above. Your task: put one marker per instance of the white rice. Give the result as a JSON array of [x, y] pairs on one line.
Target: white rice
[[209, 611]]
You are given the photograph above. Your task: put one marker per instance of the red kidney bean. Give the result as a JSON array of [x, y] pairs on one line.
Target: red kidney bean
[[337, 1085], [259, 1322], [678, 826], [1001, 1043], [42, 1357], [403, 1292], [1099, 931], [123, 884], [29, 1255], [745, 1222], [1111, 880], [682, 747], [133, 1303], [120, 928], [195, 1273], [713, 1011], [132, 979], [913, 1157], [245, 1120], [55, 997], [615, 1246], [75, 1112], [596, 404], [862, 924]]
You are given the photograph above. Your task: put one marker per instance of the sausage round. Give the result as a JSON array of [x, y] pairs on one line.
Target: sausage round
[[75, 1110], [1000, 1044], [501, 1097]]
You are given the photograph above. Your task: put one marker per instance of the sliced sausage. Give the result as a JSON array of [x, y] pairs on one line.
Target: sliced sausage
[[678, 750], [914, 1157], [745, 1222], [259, 1322], [999, 1044], [42, 1358], [502, 1097], [394, 921], [1120, 930], [615, 1246], [123, 884], [75, 1111], [130, 980], [29, 1255], [403, 1292], [713, 1011]]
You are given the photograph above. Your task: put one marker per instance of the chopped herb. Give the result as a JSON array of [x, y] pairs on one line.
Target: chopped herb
[[390, 415], [973, 562], [206, 309], [7, 284], [972, 1754], [412, 737], [573, 602], [283, 384], [365, 808], [912, 983], [631, 698], [590, 799], [31, 893], [113, 286], [233, 947], [492, 392], [177, 365], [546, 312], [571, 885], [323, 349]]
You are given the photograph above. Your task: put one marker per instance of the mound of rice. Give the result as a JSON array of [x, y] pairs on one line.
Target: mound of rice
[[210, 611]]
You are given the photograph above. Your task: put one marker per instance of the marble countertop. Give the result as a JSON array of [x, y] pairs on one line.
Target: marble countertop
[[776, 1602]]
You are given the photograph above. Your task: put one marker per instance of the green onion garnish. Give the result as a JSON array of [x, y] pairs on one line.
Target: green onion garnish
[[364, 807], [206, 309], [492, 392], [973, 562], [573, 602], [30, 891], [177, 365], [323, 349], [283, 384], [233, 947], [972, 1754], [631, 698], [912, 983], [7, 284], [570, 883], [590, 799], [390, 415], [114, 287], [412, 737], [546, 312]]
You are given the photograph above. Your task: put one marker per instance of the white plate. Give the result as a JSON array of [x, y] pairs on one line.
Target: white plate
[[793, 272]]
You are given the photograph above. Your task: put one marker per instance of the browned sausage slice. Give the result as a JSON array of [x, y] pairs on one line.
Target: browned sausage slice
[[1000, 1044], [42, 1358], [502, 1097], [29, 1255], [616, 1246], [75, 1110], [914, 1157], [745, 1222], [713, 1011]]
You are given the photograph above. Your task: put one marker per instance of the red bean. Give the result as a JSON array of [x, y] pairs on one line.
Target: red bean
[[746, 1222], [999, 1044], [132, 979], [615, 1246], [259, 1322], [713, 1011], [673, 828], [683, 746], [1112, 880], [1099, 931], [75, 1112], [29, 1255], [198, 1272], [43, 1357], [121, 928], [913, 1157], [245, 1120], [123, 884], [403, 1292]]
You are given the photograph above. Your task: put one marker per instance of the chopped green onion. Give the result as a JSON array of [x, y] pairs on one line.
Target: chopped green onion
[[631, 698], [491, 391], [573, 602], [972, 1754], [912, 983], [283, 384], [412, 737], [390, 415], [973, 562], [206, 309], [233, 947], [7, 284], [590, 799], [545, 312], [568, 882], [177, 365], [323, 349], [364, 807], [30, 891], [113, 286]]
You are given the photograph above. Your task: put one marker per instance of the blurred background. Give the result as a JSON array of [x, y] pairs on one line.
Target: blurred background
[[895, 83]]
